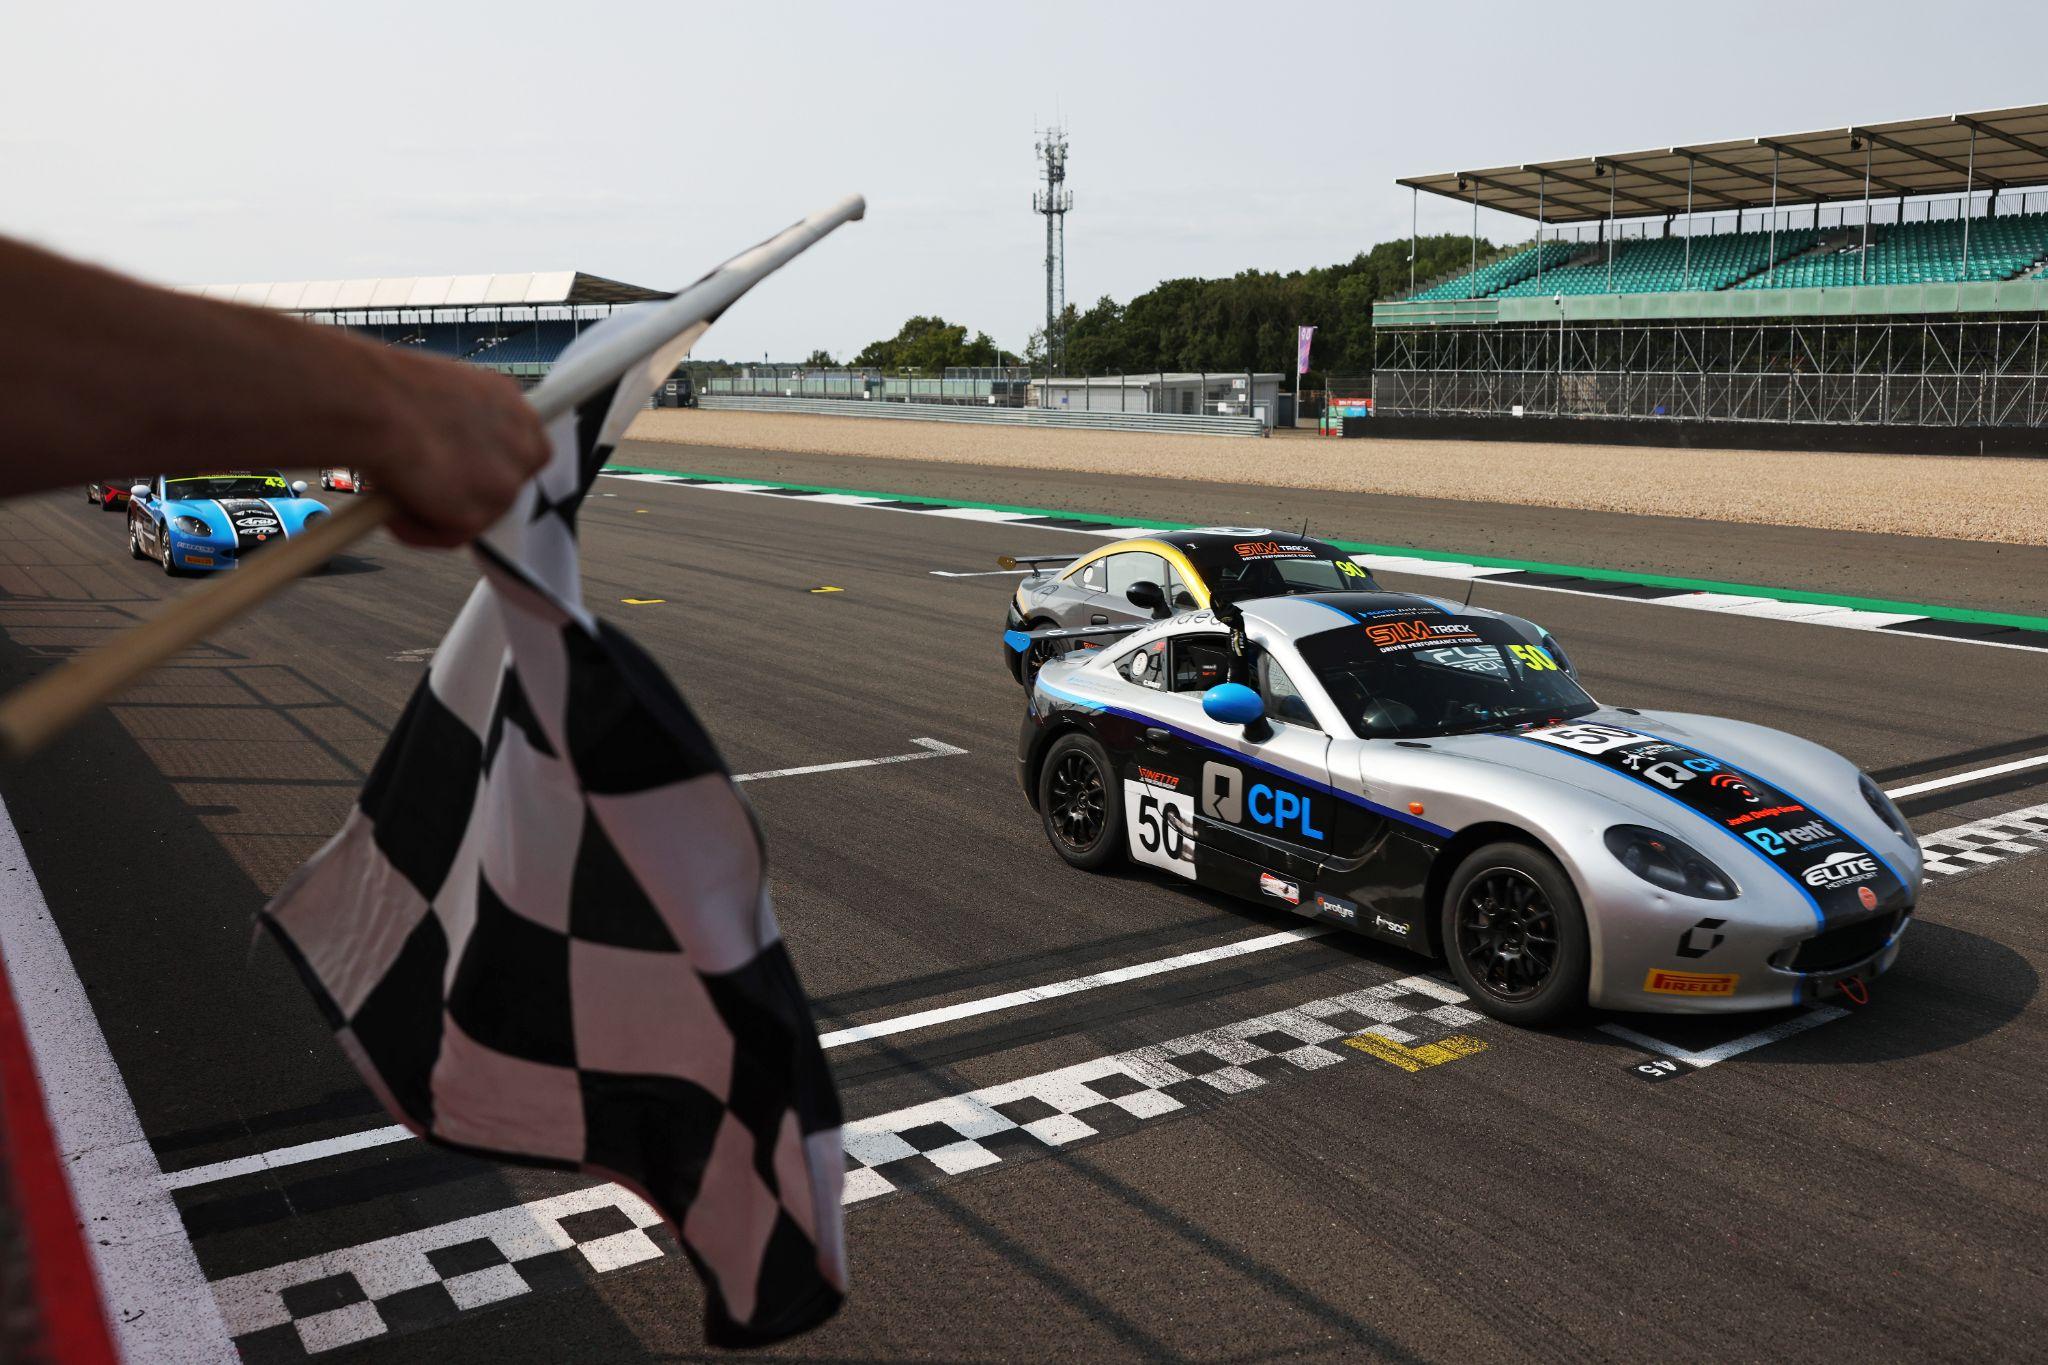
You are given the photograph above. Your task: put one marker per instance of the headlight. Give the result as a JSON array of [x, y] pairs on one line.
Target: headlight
[[192, 526], [1670, 863], [1886, 811]]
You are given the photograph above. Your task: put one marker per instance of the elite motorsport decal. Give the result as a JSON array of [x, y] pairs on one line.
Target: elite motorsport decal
[[254, 520], [1844, 879]]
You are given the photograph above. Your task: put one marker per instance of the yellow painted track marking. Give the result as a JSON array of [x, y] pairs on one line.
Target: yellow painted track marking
[[1417, 1057], [642, 601], [824, 588]]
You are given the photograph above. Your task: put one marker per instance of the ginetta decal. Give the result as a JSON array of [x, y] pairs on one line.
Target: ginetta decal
[[1825, 862]]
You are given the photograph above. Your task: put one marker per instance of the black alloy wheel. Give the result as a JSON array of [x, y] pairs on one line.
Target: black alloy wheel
[[1514, 935], [1077, 800], [1507, 934]]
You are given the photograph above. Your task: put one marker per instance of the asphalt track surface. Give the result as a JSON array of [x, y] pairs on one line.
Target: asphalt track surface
[[1867, 1185]]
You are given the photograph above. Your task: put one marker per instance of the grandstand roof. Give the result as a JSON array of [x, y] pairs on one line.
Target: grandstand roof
[[1911, 157], [550, 287]]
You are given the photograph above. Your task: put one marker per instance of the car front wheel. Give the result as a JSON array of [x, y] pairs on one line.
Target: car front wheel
[[163, 553], [135, 549], [1077, 800], [1515, 935]]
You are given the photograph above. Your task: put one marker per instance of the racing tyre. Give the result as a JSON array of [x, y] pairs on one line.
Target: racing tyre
[[1077, 799], [163, 553], [135, 550], [326, 482], [1515, 935]]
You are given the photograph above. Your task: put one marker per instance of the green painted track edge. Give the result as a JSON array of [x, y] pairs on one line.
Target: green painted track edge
[[1676, 584]]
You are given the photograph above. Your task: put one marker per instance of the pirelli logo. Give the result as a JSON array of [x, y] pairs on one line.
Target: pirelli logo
[[1661, 982]]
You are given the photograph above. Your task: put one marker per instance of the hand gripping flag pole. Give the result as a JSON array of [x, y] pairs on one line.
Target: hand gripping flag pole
[[544, 933], [40, 710]]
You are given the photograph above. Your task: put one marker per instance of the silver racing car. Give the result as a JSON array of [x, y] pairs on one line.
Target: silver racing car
[[1430, 776]]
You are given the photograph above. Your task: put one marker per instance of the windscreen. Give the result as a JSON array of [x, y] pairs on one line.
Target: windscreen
[[239, 485], [1267, 567], [1416, 674]]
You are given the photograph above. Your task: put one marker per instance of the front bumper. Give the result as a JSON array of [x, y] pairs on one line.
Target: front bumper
[[1755, 970]]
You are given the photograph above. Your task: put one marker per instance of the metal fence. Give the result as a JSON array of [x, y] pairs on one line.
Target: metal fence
[[1000, 416], [1903, 372], [1004, 386]]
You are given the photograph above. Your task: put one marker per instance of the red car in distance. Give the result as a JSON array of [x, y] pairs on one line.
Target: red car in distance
[[344, 481], [110, 494]]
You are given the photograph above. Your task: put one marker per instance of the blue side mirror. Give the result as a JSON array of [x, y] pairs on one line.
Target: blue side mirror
[[1232, 704]]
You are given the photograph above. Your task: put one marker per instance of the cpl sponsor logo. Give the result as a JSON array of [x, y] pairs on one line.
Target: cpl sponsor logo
[[1225, 797], [1663, 982], [1158, 779], [1750, 817], [1778, 842], [1840, 869], [1388, 634]]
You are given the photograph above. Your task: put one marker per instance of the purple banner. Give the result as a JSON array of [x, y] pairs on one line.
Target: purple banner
[[1306, 335]]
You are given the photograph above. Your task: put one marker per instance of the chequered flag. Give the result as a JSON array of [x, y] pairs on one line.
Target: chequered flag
[[544, 933]]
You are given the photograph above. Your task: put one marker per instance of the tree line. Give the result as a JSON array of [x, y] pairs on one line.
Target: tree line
[[1245, 322]]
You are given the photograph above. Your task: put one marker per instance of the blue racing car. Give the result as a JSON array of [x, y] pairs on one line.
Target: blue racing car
[[209, 521]]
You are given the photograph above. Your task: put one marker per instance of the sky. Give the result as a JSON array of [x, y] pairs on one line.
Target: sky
[[239, 142]]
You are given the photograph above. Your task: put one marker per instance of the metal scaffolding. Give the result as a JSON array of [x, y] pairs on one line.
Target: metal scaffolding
[[1938, 372]]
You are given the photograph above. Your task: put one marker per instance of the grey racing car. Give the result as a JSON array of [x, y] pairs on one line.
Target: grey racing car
[[1429, 776]]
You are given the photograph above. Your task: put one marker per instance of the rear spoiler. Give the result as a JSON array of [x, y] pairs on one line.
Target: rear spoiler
[[1034, 562], [1040, 647]]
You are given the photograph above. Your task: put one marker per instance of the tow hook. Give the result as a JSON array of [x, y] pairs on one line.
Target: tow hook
[[1854, 990]]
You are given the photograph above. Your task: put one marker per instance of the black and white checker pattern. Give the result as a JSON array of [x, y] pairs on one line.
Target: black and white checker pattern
[[428, 1277], [1981, 843], [918, 1146], [422, 1278], [544, 932]]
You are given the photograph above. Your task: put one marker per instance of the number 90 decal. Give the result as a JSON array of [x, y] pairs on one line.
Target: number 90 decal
[[1162, 827]]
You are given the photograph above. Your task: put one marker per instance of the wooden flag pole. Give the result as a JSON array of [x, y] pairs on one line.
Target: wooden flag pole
[[39, 710]]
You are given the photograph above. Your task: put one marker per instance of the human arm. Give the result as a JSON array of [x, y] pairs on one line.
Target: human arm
[[113, 375]]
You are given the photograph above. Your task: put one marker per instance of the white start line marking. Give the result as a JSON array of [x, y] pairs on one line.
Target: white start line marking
[[926, 748], [1937, 784], [1813, 1017]]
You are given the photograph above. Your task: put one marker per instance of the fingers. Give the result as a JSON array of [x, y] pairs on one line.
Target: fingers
[[458, 443]]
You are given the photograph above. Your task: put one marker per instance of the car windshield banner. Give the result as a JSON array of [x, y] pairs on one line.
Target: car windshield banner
[[1845, 880]]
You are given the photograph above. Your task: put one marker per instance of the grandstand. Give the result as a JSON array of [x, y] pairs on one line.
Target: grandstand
[[1887, 280], [518, 324]]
